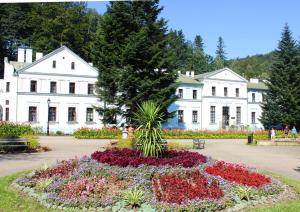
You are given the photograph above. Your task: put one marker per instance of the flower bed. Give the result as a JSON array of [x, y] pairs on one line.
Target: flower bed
[[97, 133], [238, 174], [156, 186], [132, 157]]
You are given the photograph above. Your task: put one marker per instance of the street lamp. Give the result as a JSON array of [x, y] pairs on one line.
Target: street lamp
[[48, 101]]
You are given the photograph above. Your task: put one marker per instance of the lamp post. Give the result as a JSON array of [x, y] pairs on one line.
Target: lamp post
[[48, 101]]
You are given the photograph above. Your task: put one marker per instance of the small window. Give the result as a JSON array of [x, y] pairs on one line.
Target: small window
[[72, 88], [7, 114], [180, 93], [90, 89], [89, 115], [195, 116], [213, 114], [253, 118], [72, 65], [52, 87], [253, 97], [32, 114], [33, 86], [6, 102], [52, 113], [237, 92], [180, 116], [71, 114], [225, 91], [238, 115], [7, 86], [194, 94], [54, 64], [213, 91]]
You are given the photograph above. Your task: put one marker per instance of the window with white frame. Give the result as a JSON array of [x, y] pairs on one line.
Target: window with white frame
[[238, 115], [7, 114], [212, 114], [7, 86], [237, 92], [32, 116], [180, 93], [71, 114], [180, 116], [253, 97], [253, 118], [33, 86], [213, 91], [52, 114], [194, 94], [225, 91], [89, 115], [195, 116], [53, 87], [72, 87], [90, 89], [54, 64]]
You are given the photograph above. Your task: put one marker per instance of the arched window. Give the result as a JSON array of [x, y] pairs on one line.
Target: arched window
[[72, 66], [54, 64]]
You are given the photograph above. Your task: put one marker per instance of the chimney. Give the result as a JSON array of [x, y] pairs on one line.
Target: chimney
[[21, 55], [28, 55], [91, 64], [192, 74], [179, 72], [38, 55], [187, 73]]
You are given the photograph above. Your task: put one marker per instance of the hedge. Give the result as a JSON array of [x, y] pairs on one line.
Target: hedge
[[12, 130], [177, 134]]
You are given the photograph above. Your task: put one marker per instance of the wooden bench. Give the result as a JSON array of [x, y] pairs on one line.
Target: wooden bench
[[198, 144]]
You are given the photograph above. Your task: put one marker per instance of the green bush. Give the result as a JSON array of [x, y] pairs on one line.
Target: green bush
[[11, 130], [125, 143], [32, 141], [179, 146], [134, 197], [97, 133]]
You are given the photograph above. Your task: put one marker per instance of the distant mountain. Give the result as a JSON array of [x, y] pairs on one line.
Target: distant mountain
[[256, 66]]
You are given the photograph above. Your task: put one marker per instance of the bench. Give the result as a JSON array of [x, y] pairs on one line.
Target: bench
[[198, 143]]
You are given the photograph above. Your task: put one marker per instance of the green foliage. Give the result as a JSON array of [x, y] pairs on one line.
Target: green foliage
[[11, 130], [97, 133], [32, 141], [244, 193], [149, 135], [43, 184], [179, 146], [282, 102], [125, 143], [220, 54], [134, 197]]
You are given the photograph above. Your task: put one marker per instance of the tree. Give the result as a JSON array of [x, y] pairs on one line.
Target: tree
[[220, 54], [133, 59], [282, 103], [2, 54], [198, 43]]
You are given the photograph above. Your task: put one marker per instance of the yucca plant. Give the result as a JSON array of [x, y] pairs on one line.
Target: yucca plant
[[134, 197], [149, 134]]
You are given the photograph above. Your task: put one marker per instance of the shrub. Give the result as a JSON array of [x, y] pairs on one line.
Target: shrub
[[244, 193], [132, 157], [176, 188], [58, 132], [97, 133], [43, 184], [32, 141], [237, 174], [11, 130], [149, 135], [179, 146], [125, 143], [134, 197]]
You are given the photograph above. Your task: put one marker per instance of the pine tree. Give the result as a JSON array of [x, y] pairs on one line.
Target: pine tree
[[133, 59], [198, 43], [282, 105], [220, 54]]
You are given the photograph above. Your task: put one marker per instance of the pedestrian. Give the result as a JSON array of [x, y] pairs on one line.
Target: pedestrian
[[286, 132], [273, 134], [294, 132]]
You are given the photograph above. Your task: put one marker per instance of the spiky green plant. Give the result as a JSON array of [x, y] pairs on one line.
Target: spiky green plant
[[134, 197], [149, 136]]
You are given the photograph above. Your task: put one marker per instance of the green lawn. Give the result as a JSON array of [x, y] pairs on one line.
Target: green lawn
[[11, 200]]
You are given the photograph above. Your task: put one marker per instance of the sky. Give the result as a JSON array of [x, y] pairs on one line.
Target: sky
[[248, 27]]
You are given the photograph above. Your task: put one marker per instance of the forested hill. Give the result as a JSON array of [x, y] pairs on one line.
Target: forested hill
[[256, 66]]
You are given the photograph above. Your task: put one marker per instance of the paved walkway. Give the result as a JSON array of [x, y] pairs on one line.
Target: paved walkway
[[280, 159]]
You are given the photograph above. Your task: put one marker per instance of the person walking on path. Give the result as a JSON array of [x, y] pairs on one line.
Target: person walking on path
[[294, 132], [272, 134], [286, 132]]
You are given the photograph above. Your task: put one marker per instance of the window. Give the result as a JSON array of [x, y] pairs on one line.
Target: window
[[7, 114], [194, 94], [253, 97], [194, 116], [72, 88], [213, 91], [225, 91], [32, 86], [180, 116], [72, 114], [238, 115], [54, 64], [72, 66], [237, 92], [32, 114], [6, 102], [253, 117], [180, 93], [52, 113], [90, 89], [52, 87], [212, 114], [89, 115], [7, 86]]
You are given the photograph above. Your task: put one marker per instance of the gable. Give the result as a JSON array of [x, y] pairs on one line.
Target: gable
[[226, 74], [63, 58]]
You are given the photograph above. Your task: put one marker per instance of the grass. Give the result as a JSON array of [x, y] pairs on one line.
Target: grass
[[11, 200]]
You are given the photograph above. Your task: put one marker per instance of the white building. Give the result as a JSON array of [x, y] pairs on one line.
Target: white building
[[61, 77], [215, 100], [220, 99]]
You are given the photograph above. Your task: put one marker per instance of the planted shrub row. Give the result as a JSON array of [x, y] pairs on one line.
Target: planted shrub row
[[12, 130]]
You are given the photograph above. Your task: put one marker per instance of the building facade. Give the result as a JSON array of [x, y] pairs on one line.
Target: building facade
[[60, 87], [59, 84]]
